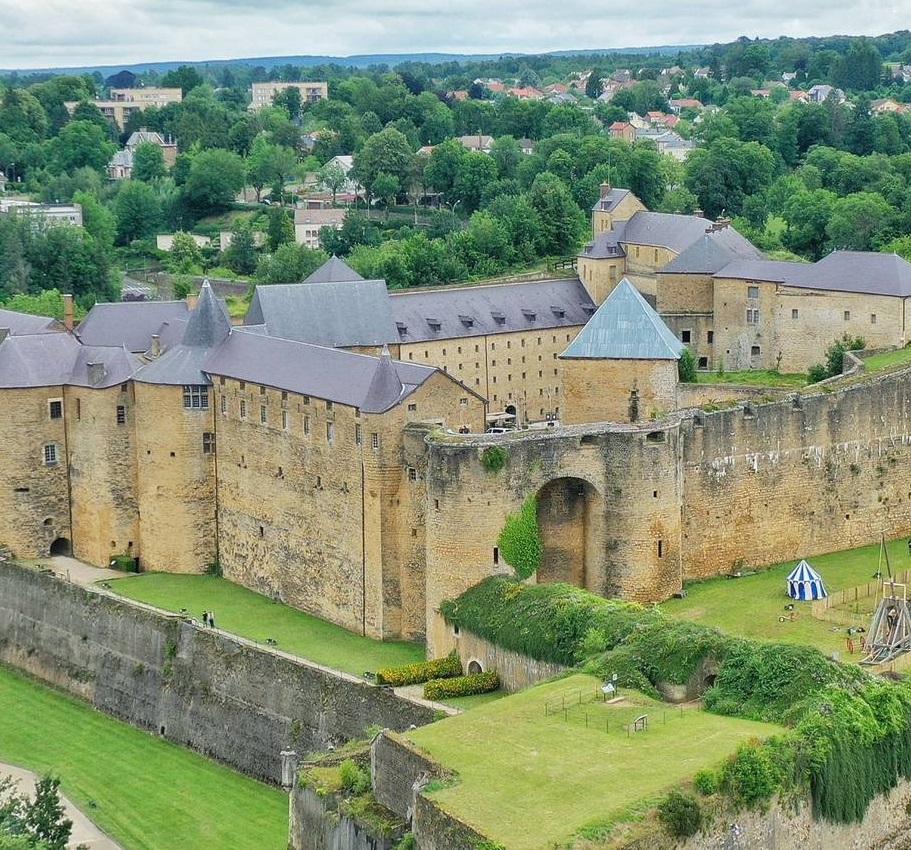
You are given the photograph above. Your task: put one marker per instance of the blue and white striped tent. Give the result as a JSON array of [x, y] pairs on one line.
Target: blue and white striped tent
[[804, 583]]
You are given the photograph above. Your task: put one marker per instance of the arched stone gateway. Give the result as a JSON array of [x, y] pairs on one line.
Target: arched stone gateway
[[571, 523], [61, 546]]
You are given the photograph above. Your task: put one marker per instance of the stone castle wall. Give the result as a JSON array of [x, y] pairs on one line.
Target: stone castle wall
[[219, 695]]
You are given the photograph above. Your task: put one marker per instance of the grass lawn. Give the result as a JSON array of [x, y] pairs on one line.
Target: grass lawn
[[148, 793], [899, 357], [750, 606], [529, 780], [753, 377], [256, 617]]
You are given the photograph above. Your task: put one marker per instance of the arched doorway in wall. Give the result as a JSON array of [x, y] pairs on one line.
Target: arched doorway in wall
[[570, 521], [61, 546]]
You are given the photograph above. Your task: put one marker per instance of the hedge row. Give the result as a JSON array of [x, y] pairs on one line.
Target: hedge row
[[461, 686], [412, 674]]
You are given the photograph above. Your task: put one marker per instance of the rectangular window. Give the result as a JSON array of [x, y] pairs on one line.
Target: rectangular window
[[755, 351], [55, 409], [284, 396], [330, 431], [847, 315], [872, 318], [224, 404], [752, 316], [328, 405], [306, 399], [262, 390], [50, 454], [412, 408], [685, 336], [78, 409], [795, 313], [121, 415], [710, 337], [242, 385], [752, 292], [463, 402], [208, 443], [263, 414], [243, 408], [375, 440], [306, 424], [196, 397], [358, 435], [496, 555], [412, 474], [284, 420]]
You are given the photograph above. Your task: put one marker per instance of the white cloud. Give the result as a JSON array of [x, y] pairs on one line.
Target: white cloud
[[44, 33]]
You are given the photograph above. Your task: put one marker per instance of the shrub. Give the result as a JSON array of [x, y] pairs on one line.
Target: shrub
[[412, 674], [355, 778], [124, 563], [520, 540], [461, 686], [494, 458], [749, 775], [706, 782], [680, 813], [686, 367]]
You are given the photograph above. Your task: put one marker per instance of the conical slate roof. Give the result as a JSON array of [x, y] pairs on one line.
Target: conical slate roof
[[207, 325], [333, 270], [625, 327], [386, 387]]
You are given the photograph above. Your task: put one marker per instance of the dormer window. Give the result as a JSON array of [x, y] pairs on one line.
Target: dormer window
[[468, 321], [559, 312], [435, 324], [402, 328], [588, 309], [529, 314], [499, 318]]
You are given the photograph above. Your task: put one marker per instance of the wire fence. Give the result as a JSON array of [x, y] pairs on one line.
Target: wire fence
[[591, 709]]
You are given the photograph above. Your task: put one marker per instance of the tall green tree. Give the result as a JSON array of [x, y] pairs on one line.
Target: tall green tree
[[280, 229], [214, 180], [386, 152], [137, 211], [563, 224], [148, 162]]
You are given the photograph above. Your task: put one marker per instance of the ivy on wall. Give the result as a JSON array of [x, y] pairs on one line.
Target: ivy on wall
[[520, 540]]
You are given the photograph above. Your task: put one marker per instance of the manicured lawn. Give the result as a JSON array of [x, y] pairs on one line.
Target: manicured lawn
[[753, 377], [147, 793], [751, 605], [253, 616], [530, 780], [899, 357]]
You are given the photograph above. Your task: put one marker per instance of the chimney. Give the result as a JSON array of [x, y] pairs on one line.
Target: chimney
[[4, 333], [96, 373], [156, 345], [192, 301], [68, 312], [605, 190], [699, 213]]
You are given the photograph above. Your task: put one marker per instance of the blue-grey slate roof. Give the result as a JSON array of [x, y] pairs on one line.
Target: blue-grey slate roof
[[466, 311], [129, 323], [374, 384], [610, 199], [48, 360], [333, 270], [625, 327], [24, 323], [713, 252], [335, 314]]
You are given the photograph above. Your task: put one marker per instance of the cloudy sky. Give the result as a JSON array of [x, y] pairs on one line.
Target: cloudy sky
[[53, 33]]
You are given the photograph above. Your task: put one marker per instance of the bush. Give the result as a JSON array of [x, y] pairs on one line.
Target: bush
[[749, 776], [494, 458], [461, 686], [680, 813], [686, 367], [355, 778], [124, 563], [707, 782], [412, 674]]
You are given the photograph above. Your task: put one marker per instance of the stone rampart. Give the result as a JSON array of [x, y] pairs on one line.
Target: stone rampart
[[218, 694]]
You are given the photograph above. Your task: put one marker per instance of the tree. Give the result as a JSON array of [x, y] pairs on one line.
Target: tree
[[725, 172], [290, 263], [686, 367], [184, 256], [81, 143], [808, 214], [148, 162], [476, 170], [39, 821], [186, 78], [240, 256], [97, 219], [214, 179], [860, 69], [860, 222], [332, 177], [507, 154], [520, 540], [355, 230], [594, 86], [137, 211], [385, 152], [280, 229], [386, 187], [563, 224]]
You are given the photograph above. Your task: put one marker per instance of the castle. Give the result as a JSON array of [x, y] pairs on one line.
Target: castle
[[329, 452]]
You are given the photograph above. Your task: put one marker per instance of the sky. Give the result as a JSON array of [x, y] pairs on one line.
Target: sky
[[67, 33]]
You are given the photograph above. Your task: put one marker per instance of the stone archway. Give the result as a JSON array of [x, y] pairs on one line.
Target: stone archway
[[570, 520], [61, 546]]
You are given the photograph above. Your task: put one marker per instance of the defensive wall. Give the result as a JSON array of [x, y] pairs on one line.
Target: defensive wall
[[636, 509], [217, 694]]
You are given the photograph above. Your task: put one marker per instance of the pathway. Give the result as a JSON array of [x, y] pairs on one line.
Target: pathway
[[85, 833]]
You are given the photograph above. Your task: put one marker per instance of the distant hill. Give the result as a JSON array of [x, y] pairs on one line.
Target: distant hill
[[359, 61]]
